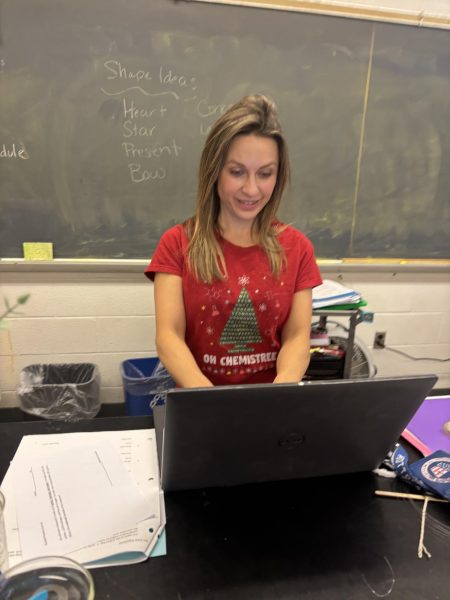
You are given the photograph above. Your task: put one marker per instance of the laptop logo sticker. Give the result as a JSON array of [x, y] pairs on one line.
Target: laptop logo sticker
[[292, 441]]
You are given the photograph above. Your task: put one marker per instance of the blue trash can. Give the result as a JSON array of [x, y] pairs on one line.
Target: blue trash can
[[143, 388]]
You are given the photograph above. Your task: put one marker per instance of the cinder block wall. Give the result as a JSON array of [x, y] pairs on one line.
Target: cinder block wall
[[108, 317], [76, 317], [414, 311]]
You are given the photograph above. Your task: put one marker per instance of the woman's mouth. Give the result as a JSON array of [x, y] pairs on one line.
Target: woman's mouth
[[247, 203]]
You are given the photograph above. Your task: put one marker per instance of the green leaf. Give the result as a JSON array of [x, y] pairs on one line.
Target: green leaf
[[23, 299]]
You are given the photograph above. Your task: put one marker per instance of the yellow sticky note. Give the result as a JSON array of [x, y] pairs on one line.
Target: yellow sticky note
[[38, 250]]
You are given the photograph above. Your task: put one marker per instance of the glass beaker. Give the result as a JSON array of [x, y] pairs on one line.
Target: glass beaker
[[3, 546], [55, 577]]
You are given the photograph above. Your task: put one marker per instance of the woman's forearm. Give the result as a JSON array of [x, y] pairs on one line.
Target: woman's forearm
[[170, 329], [293, 357], [293, 360], [179, 361]]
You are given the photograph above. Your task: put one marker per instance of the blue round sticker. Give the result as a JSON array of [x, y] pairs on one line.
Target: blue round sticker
[[436, 470]]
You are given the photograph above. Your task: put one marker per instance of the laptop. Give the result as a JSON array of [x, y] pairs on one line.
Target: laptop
[[232, 435]]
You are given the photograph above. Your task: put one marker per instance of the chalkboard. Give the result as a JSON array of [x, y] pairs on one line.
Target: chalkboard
[[105, 105]]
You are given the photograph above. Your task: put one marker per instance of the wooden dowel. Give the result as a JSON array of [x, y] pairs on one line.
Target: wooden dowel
[[410, 496]]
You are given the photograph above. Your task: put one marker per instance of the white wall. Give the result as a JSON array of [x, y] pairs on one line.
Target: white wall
[[105, 318]]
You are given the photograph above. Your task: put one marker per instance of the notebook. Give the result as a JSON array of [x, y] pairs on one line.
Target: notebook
[[231, 435], [426, 430]]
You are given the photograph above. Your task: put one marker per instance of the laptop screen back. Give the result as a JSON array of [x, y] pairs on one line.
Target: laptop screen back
[[231, 435]]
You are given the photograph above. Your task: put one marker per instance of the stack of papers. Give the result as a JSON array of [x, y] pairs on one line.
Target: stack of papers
[[332, 293], [91, 496]]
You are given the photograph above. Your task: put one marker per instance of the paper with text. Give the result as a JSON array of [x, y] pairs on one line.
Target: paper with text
[[125, 458], [73, 498]]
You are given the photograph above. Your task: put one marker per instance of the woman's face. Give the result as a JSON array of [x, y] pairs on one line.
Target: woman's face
[[247, 180]]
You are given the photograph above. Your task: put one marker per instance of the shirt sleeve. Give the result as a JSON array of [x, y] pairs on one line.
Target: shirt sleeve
[[308, 275], [169, 255]]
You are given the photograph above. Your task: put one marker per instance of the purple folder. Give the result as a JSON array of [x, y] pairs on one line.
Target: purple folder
[[426, 431]]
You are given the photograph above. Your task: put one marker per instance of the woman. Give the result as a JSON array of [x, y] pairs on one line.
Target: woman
[[233, 284]]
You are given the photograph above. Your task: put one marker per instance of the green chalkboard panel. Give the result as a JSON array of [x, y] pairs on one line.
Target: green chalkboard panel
[[105, 105]]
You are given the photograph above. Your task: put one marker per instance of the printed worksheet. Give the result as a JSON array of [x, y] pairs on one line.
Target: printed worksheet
[[110, 510]]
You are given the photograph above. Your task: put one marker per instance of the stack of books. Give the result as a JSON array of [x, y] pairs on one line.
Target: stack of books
[[335, 295]]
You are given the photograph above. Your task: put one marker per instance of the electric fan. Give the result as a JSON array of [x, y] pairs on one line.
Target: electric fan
[[324, 366]]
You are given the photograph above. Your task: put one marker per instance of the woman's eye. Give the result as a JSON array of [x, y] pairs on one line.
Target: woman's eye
[[266, 174], [236, 172]]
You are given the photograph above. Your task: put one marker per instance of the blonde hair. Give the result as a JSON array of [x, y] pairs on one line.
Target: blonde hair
[[255, 115]]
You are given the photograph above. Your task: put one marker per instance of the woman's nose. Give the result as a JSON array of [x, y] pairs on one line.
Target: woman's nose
[[250, 186]]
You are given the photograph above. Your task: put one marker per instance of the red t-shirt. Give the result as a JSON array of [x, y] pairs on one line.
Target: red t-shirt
[[233, 327]]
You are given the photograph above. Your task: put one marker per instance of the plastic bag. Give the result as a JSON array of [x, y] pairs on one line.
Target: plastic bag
[[63, 392], [157, 384], [146, 383]]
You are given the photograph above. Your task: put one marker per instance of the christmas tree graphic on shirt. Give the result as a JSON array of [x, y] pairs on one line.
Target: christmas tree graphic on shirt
[[242, 326]]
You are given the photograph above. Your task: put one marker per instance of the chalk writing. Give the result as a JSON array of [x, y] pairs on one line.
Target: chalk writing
[[168, 77], [131, 129], [139, 89], [144, 122], [204, 129], [139, 175], [131, 111], [207, 110], [117, 71], [12, 151], [133, 151]]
